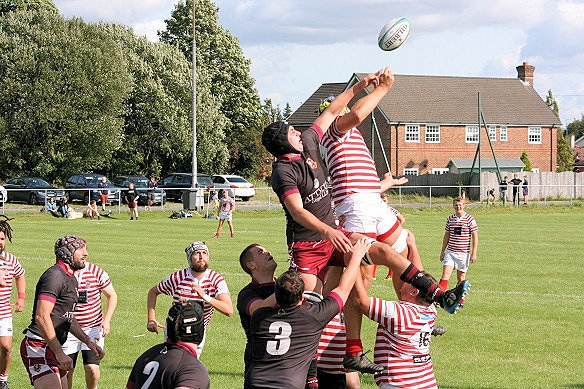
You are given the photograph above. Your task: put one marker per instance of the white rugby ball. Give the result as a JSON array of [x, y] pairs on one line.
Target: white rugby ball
[[394, 34]]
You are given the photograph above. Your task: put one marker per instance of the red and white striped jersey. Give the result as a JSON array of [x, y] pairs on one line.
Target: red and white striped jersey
[[91, 280], [349, 162], [460, 230], [331, 346], [402, 344], [15, 270], [179, 286]]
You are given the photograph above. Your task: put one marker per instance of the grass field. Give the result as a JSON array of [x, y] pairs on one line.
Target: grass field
[[520, 327]]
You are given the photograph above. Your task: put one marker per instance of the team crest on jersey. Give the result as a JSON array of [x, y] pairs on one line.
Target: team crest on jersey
[[312, 163]]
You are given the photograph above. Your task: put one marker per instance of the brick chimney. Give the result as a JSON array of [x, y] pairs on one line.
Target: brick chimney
[[525, 73]]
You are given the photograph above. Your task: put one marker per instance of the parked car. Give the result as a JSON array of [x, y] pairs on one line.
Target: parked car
[[175, 184], [141, 184], [84, 187], [237, 187], [32, 190]]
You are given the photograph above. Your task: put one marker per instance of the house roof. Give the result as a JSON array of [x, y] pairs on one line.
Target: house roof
[[447, 100], [487, 163]]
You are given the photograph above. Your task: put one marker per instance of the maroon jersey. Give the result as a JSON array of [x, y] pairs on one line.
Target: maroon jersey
[[169, 365], [304, 174], [60, 287], [285, 340]]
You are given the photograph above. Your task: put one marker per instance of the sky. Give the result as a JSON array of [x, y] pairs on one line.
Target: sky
[[296, 45]]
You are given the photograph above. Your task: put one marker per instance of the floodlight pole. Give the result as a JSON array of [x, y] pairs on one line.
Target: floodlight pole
[[194, 63]]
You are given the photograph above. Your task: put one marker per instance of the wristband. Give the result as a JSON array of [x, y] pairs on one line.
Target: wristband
[[21, 296], [206, 298]]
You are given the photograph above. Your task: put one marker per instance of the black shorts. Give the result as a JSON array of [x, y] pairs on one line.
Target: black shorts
[[88, 357], [331, 381]]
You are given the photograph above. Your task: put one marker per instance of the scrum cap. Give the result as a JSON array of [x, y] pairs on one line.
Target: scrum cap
[[275, 139], [185, 322], [66, 246]]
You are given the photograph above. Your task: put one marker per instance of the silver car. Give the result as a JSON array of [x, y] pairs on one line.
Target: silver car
[[237, 187]]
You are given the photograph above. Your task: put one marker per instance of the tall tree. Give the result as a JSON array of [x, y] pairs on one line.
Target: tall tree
[[565, 156], [27, 5], [525, 160], [576, 128], [222, 59], [63, 85]]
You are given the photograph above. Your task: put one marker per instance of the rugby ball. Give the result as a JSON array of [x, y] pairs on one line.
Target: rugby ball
[[394, 34]]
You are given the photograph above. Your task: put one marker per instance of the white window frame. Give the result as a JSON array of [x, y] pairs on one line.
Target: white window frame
[[472, 134], [440, 170], [492, 131], [503, 134], [432, 134], [412, 171], [534, 135], [535, 170], [412, 133]]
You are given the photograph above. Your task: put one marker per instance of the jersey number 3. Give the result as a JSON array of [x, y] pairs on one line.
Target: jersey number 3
[[281, 343]]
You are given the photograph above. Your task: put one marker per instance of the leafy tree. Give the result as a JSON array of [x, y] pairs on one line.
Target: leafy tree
[[565, 156], [222, 59], [576, 128], [287, 111], [63, 84], [27, 5], [525, 160]]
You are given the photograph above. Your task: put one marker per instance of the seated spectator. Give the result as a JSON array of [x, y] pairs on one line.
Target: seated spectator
[[64, 207], [92, 210], [51, 206]]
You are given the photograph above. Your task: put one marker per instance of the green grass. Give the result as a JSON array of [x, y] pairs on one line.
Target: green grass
[[520, 326]]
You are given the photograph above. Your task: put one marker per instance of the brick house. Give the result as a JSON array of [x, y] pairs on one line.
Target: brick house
[[427, 122]]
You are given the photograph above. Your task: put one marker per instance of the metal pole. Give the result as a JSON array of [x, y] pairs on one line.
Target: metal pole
[[194, 180]]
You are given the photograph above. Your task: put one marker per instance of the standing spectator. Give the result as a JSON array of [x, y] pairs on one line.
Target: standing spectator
[[260, 265], [197, 282], [215, 203], [103, 193], [226, 207], [285, 338], [402, 343], [51, 207], [176, 361], [92, 211], [516, 181], [503, 184], [10, 269], [52, 318], [459, 245], [152, 185], [525, 190], [132, 197], [92, 282]]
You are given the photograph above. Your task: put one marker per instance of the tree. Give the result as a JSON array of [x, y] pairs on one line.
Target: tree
[[287, 111], [565, 156], [525, 160], [221, 58], [576, 128], [27, 5], [63, 85]]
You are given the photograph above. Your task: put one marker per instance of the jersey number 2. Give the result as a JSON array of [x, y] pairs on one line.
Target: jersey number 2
[[150, 370], [281, 343]]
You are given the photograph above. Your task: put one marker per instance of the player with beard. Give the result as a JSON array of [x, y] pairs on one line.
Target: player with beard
[[52, 318], [196, 282]]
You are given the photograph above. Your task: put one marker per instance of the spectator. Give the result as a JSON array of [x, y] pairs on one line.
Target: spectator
[[93, 282], [152, 185], [64, 207], [503, 184], [10, 269], [491, 196], [52, 318], [459, 245], [525, 190], [92, 211], [226, 206], [132, 197], [516, 181], [197, 282], [103, 193], [51, 207], [176, 361]]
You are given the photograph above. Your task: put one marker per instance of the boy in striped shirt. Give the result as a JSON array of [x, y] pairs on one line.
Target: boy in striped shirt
[[460, 243]]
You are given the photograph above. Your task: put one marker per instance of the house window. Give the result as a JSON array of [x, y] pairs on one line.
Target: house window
[[503, 134], [432, 134], [534, 135], [412, 133], [472, 134], [535, 170], [440, 170], [412, 171], [492, 130]]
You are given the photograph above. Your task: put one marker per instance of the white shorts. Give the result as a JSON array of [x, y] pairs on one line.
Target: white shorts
[[457, 260], [224, 215], [6, 327], [366, 213], [73, 345]]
